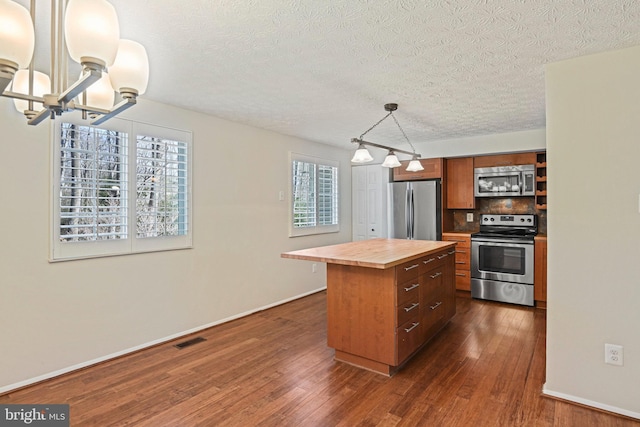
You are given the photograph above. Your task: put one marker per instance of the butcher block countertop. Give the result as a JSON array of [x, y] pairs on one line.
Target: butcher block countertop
[[374, 253]]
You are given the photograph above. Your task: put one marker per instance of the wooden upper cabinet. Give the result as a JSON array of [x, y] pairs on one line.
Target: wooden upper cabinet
[[432, 170], [505, 160], [459, 182]]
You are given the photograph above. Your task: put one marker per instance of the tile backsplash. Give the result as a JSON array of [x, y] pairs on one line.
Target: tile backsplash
[[498, 205]]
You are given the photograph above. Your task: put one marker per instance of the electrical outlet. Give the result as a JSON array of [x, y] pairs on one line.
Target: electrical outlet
[[613, 354], [470, 217], [314, 268]]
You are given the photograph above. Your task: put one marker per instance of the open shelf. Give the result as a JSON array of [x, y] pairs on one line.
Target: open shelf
[[541, 181]]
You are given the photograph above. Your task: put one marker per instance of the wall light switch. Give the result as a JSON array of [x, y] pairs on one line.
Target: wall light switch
[[281, 196], [470, 217]]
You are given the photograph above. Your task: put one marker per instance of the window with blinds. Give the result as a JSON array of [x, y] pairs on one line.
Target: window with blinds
[[161, 183], [93, 184], [120, 188], [314, 195]]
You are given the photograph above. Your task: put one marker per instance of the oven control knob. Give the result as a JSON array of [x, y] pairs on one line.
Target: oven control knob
[[521, 219], [492, 219], [529, 219]]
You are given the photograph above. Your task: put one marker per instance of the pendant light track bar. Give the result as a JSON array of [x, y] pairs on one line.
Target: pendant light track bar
[[384, 147]]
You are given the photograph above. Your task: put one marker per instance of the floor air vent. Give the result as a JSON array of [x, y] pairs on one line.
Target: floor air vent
[[190, 342]]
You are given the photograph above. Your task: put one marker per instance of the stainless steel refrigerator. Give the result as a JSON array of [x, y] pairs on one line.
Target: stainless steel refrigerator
[[414, 210]]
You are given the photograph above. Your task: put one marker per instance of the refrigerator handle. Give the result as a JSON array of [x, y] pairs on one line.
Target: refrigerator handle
[[411, 213], [408, 211]]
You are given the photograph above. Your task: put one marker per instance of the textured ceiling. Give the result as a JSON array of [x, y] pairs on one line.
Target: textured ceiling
[[323, 69]]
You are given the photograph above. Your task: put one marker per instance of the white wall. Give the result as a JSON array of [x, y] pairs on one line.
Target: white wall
[[593, 154], [54, 316]]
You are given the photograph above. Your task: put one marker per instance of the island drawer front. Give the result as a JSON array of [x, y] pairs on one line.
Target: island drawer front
[[407, 271], [408, 310], [432, 261], [408, 291], [433, 315], [432, 284], [408, 337]]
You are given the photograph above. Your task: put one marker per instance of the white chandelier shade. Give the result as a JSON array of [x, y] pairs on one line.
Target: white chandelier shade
[[130, 70], [92, 31], [101, 94], [17, 36], [362, 155], [391, 161], [41, 85], [415, 166]]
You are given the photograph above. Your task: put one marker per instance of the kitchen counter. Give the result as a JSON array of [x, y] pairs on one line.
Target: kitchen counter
[[374, 253], [386, 298]]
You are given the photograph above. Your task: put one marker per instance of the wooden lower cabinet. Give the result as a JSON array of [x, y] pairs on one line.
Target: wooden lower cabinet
[[540, 272], [462, 259], [377, 319]]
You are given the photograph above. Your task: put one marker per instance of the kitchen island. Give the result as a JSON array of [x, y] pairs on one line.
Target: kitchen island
[[386, 298]]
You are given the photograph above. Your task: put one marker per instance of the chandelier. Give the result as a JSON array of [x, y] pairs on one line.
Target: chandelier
[[362, 155], [91, 33]]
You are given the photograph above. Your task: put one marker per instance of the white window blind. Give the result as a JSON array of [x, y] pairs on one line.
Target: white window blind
[[161, 187], [93, 184], [123, 187], [314, 195]]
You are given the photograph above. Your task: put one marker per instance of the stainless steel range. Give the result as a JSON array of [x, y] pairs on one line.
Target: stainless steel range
[[502, 258]]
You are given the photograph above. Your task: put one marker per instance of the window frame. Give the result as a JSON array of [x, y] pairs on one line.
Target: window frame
[[131, 244], [315, 229]]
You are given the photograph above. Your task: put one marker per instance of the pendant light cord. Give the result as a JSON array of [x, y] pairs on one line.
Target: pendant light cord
[[399, 127], [379, 121]]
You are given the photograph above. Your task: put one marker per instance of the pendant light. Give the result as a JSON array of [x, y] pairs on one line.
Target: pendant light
[[391, 161], [90, 32], [415, 165], [362, 155]]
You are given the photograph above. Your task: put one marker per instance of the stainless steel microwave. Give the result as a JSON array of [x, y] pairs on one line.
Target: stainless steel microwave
[[505, 181]]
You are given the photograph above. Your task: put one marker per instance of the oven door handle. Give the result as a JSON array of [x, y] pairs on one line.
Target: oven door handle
[[500, 242]]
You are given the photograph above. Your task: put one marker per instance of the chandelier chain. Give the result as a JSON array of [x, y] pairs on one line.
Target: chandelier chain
[[379, 121], [399, 127], [402, 130]]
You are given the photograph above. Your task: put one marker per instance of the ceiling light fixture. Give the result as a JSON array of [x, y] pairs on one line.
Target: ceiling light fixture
[[391, 161], [362, 155], [91, 32]]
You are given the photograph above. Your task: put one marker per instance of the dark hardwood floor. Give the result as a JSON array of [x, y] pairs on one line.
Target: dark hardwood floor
[[273, 368]]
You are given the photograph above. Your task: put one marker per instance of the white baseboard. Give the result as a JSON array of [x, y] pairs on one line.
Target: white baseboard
[[591, 403], [82, 365]]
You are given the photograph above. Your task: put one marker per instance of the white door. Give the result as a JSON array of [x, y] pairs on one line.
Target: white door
[[369, 198]]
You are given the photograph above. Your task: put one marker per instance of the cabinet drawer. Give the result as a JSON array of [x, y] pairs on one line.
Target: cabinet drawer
[[432, 261], [433, 315], [407, 271], [408, 310], [462, 240], [463, 280], [463, 258], [408, 291], [432, 281], [408, 338]]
